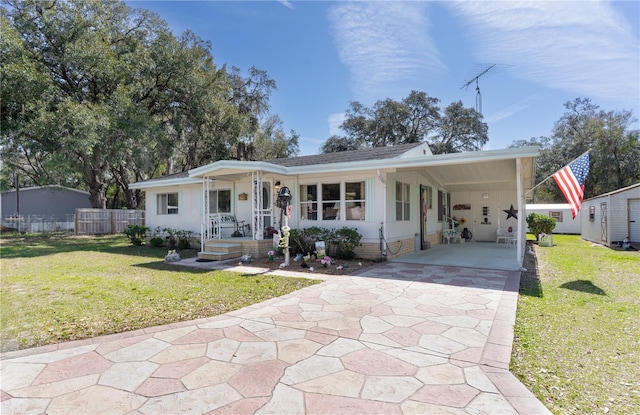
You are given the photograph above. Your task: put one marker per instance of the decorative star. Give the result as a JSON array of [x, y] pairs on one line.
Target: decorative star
[[511, 213]]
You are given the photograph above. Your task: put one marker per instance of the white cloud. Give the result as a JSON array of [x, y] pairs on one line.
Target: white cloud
[[383, 43], [335, 121], [505, 113], [585, 47], [286, 3]]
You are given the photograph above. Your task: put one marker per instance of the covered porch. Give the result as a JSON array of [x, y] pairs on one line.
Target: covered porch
[[484, 255]]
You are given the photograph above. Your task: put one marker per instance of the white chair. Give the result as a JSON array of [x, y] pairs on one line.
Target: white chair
[[505, 236], [450, 234]]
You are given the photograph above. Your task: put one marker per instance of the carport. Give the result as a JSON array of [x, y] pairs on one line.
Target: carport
[[486, 187], [482, 255]]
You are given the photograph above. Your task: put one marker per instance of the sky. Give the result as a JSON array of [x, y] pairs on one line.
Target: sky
[[325, 54]]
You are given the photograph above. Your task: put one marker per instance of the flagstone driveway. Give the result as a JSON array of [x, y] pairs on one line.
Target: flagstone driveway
[[396, 339]]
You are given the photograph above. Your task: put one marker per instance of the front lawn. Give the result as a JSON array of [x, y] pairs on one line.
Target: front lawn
[[60, 288], [577, 332]]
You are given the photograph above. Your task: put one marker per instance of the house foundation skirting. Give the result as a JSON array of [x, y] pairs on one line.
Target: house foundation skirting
[[368, 250]]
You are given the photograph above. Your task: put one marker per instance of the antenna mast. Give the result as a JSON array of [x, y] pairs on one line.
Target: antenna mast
[[478, 94]]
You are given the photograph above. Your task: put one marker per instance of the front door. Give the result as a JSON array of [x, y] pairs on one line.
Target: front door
[[266, 208], [262, 204], [634, 220], [604, 230]]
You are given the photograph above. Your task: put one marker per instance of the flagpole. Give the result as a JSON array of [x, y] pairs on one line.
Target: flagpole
[[533, 188]]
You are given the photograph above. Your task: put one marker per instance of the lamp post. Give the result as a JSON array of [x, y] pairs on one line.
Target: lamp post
[[284, 198]]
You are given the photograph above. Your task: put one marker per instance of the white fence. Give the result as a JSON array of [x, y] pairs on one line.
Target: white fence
[[40, 223]]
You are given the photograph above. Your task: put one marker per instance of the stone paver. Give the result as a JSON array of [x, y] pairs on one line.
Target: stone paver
[[397, 339]]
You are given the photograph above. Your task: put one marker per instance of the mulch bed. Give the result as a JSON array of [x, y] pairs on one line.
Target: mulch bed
[[339, 266]]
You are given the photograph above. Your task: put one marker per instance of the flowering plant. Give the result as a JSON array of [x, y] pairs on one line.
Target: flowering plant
[[270, 255], [325, 261]]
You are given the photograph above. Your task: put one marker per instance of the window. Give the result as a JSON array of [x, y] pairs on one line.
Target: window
[[592, 213], [556, 215], [444, 203], [167, 203], [330, 201], [220, 201], [355, 200], [309, 201], [403, 207]]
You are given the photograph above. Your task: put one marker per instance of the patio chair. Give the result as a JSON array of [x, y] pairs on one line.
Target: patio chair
[[503, 235]]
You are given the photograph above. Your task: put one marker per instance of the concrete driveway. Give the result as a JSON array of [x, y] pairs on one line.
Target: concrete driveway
[[400, 338]]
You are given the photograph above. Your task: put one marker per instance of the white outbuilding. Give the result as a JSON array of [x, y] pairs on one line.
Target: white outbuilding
[[611, 217]]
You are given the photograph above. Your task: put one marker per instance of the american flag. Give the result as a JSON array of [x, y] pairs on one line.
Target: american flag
[[570, 179]]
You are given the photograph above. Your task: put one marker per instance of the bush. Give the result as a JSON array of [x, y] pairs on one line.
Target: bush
[[136, 234], [340, 243], [540, 224], [184, 239], [156, 241]]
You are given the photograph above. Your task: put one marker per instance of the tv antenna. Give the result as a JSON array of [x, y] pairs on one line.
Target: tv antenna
[[478, 94]]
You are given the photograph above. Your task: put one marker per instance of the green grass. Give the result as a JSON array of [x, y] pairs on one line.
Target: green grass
[[577, 332], [59, 288]]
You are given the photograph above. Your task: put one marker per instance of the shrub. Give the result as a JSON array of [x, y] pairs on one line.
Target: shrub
[[540, 224], [156, 241], [136, 234], [184, 239], [172, 239], [340, 243]]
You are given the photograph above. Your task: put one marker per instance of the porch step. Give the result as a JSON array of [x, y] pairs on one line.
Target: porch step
[[219, 251], [222, 246], [218, 256]]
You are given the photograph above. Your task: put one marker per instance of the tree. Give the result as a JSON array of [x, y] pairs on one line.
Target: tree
[[615, 149], [459, 129], [335, 144], [390, 122], [107, 95], [271, 142], [414, 119]]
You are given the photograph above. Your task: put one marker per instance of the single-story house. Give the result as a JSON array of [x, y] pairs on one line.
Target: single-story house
[[399, 198], [561, 212], [42, 206], [611, 217]]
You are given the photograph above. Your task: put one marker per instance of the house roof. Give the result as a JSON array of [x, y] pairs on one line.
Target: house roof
[[623, 189], [168, 180], [487, 170], [369, 154], [52, 187]]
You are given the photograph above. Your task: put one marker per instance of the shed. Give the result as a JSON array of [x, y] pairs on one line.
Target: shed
[[44, 204], [561, 212], [609, 218]]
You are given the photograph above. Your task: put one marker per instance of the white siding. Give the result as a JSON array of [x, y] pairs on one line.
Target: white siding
[[189, 215], [617, 218], [497, 201]]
